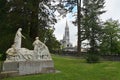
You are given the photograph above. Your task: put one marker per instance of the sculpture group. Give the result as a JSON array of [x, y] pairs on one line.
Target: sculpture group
[[22, 61], [17, 53]]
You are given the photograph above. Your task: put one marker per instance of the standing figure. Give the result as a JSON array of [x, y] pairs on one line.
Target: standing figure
[[18, 38]]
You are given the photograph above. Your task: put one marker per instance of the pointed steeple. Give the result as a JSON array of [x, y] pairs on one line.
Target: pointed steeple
[[66, 38], [66, 24], [66, 35]]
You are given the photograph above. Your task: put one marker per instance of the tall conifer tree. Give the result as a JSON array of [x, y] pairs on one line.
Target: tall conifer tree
[[92, 9]]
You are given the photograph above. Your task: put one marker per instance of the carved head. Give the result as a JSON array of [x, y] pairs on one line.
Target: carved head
[[37, 38], [20, 29]]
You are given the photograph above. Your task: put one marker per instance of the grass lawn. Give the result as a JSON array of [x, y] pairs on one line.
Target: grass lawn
[[77, 69]]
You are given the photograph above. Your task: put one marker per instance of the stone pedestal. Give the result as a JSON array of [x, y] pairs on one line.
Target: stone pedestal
[[29, 67], [34, 67], [10, 66]]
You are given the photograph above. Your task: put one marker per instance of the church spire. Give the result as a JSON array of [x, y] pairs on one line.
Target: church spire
[[66, 38], [67, 24]]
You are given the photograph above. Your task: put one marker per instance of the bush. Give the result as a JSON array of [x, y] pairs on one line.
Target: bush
[[0, 57], [92, 58], [1, 65], [1, 62]]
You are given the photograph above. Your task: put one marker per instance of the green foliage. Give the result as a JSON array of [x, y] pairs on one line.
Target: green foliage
[[5, 43], [77, 69], [92, 9], [92, 28], [2, 10], [32, 16], [51, 41], [92, 58], [1, 65], [110, 43], [1, 57], [27, 42]]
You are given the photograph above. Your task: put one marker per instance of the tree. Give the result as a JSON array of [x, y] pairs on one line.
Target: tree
[[51, 41], [31, 16], [79, 26], [92, 9], [3, 15], [110, 43]]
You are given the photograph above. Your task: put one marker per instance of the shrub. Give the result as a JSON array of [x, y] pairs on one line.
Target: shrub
[[1, 62], [1, 57], [1, 65], [92, 58]]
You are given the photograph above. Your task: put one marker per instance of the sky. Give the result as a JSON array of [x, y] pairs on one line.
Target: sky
[[112, 8]]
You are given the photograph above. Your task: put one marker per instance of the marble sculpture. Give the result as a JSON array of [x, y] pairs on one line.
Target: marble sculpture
[[17, 53]]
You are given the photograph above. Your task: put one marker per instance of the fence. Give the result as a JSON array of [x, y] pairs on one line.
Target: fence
[[111, 57]]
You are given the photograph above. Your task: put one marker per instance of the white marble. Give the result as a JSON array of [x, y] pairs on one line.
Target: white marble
[[16, 53], [26, 61], [41, 50], [18, 39], [34, 67]]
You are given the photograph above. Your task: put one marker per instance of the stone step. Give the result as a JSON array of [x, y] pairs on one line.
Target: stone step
[[8, 74]]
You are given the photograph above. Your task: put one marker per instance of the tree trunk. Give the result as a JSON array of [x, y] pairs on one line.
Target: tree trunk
[[34, 20], [79, 26]]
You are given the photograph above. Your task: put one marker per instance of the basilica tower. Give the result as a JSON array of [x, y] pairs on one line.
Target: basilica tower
[[66, 38], [66, 34]]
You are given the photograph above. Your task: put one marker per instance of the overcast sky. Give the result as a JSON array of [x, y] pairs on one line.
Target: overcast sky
[[113, 11]]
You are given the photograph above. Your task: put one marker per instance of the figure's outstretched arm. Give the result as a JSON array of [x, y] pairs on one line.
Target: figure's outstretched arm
[[23, 36]]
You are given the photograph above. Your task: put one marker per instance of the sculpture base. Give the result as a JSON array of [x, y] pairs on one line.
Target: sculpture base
[[29, 67]]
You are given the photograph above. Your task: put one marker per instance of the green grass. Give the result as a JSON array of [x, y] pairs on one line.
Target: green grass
[[77, 69]]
